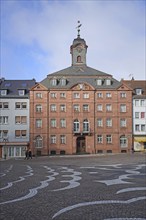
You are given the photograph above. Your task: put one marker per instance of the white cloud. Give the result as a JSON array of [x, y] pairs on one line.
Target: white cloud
[[113, 30]]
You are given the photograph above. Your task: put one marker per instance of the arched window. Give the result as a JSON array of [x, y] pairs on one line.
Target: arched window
[[76, 125], [85, 125], [39, 142], [123, 141], [78, 59]]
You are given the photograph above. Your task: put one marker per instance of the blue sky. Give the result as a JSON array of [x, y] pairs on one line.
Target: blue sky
[[36, 36]]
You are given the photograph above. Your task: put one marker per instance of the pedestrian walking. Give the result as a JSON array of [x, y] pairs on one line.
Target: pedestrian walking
[[26, 154], [30, 154]]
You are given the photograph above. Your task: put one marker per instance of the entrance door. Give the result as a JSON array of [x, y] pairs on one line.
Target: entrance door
[[80, 144]]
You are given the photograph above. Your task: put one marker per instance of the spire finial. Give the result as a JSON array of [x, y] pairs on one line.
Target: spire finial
[[78, 28]]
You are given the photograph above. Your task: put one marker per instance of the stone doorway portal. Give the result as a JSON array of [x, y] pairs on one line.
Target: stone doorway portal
[[80, 145]]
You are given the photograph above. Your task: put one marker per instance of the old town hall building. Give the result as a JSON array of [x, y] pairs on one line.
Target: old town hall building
[[80, 110]]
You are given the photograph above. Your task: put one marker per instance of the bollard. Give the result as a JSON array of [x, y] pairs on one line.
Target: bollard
[[5, 156]]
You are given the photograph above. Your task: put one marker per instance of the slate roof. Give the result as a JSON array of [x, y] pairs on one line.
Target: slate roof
[[79, 74], [137, 84], [12, 87]]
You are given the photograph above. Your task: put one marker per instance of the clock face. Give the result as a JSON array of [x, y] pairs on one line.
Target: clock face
[[79, 49]]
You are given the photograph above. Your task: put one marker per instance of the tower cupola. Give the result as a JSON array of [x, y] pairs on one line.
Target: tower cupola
[[78, 49]]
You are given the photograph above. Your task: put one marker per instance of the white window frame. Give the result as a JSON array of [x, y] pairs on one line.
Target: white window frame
[[53, 123], [99, 139], [108, 138], [76, 95], [123, 108], [53, 108], [53, 139], [99, 122], [38, 123], [62, 139], [85, 95], [63, 123], [99, 107]]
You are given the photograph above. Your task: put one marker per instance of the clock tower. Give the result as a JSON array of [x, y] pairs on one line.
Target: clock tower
[[78, 50]]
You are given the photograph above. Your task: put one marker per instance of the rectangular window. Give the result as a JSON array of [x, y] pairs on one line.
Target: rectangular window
[[122, 122], [136, 114], [53, 95], [142, 114], [142, 102], [99, 122], [108, 95], [85, 108], [53, 123], [23, 133], [4, 120], [123, 95], [137, 128], [38, 123], [76, 108], [99, 107], [5, 105], [3, 92], [99, 82], [99, 139], [21, 92], [53, 139], [99, 95], [17, 120], [76, 95], [39, 95], [143, 127], [23, 105], [54, 82], [109, 122], [23, 119], [62, 108], [20, 105], [62, 123], [53, 108], [62, 139], [62, 95], [20, 119], [86, 95], [108, 139], [122, 108], [17, 133], [5, 134], [138, 91], [136, 102], [108, 82], [38, 108], [108, 107]]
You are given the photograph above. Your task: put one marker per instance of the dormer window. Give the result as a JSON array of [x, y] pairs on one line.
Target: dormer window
[[108, 82], [79, 59], [54, 82], [138, 91], [99, 82], [3, 92], [21, 92], [63, 82]]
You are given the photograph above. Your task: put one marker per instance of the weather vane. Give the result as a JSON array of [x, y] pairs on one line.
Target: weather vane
[[78, 28]]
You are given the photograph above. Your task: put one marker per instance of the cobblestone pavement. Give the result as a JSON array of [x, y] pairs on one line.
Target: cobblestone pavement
[[91, 187]]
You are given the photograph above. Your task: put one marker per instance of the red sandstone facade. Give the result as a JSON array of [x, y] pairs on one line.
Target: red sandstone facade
[[80, 110]]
